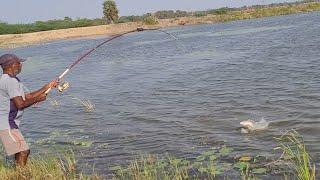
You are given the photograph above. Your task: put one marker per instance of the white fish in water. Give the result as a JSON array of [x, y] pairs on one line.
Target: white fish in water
[[251, 125]]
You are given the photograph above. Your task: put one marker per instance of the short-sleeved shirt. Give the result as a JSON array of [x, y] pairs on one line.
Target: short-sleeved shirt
[[10, 116]]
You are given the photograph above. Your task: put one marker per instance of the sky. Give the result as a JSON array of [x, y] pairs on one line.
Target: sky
[[28, 11]]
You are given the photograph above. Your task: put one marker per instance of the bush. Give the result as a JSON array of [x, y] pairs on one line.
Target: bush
[[48, 25], [200, 13], [150, 20]]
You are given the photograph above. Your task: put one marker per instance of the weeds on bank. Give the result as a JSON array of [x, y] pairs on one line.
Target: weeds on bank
[[46, 167], [294, 151], [205, 165], [214, 164]]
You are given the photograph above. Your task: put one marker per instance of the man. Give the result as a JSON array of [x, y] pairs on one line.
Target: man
[[13, 101]]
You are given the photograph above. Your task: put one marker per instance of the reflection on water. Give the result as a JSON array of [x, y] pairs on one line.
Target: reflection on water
[[249, 30], [151, 42], [234, 31], [152, 97]]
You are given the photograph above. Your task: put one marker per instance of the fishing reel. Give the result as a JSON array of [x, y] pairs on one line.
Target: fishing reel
[[63, 86]]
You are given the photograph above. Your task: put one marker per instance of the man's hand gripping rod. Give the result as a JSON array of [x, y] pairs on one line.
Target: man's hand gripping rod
[[60, 77]]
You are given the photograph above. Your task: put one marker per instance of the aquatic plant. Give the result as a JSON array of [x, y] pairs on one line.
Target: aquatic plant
[[294, 151], [82, 143], [206, 166]]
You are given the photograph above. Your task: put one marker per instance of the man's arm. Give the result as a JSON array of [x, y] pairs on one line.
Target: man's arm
[[22, 104], [38, 92], [34, 97]]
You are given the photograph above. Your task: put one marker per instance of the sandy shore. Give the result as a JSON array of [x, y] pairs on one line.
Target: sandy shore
[[18, 40]]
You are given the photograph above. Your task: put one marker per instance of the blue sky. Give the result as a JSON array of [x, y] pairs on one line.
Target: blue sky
[[26, 11]]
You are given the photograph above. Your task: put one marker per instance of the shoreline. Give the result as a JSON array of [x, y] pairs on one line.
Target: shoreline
[[10, 41]]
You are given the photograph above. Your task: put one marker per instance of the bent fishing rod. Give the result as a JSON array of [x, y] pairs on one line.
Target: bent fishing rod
[[102, 43]]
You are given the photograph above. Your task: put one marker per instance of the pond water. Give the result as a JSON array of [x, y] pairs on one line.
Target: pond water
[[155, 95]]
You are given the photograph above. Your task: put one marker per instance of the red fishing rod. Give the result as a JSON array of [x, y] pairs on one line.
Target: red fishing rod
[[102, 43]]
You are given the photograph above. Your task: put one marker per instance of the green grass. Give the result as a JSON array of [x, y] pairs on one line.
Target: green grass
[[294, 151], [214, 163], [46, 167], [6, 28], [150, 20], [150, 167]]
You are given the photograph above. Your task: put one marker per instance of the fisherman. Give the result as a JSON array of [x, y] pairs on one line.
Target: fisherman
[[13, 100]]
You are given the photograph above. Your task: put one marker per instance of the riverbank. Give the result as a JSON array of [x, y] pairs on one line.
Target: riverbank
[[19, 40], [216, 163]]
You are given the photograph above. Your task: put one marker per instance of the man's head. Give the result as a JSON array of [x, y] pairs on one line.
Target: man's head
[[11, 63]]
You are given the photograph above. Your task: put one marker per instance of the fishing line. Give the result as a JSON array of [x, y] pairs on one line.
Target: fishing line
[[104, 42]]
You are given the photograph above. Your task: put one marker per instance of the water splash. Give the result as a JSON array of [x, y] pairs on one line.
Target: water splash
[[252, 125]]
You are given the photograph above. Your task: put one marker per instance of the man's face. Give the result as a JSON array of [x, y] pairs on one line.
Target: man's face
[[17, 68]]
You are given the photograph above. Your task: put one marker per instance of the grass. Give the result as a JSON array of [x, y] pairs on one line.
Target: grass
[[206, 165], [294, 151], [150, 20], [215, 163], [46, 167]]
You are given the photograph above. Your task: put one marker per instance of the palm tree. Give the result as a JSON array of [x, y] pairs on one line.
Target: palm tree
[[110, 11]]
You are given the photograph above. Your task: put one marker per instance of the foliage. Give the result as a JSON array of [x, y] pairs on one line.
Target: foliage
[[206, 165], [67, 22], [294, 151], [200, 13], [212, 164], [219, 11], [46, 167], [150, 20], [125, 19], [110, 11]]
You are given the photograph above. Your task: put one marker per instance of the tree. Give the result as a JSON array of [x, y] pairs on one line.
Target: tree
[[67, 18], [110, 11]]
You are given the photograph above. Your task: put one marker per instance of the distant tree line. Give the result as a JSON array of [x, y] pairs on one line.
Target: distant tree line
[[112, 17], [37, 26]]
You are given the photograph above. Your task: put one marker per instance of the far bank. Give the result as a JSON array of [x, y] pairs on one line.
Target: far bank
[[19, 40]]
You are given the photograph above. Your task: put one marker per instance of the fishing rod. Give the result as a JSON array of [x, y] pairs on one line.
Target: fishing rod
[[99, 45]]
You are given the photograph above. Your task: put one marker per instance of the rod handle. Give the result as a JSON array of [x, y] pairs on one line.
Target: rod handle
[[60, 77], [47, 91]]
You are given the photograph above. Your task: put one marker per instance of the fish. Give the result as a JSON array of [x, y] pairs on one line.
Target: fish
[[251, 125]]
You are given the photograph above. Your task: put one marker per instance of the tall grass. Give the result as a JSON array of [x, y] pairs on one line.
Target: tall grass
[[205, 166], [46, 167], [294, 151], [211, 164]]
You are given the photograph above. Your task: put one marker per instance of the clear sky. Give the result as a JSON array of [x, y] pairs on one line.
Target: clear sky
[[27, 11]]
